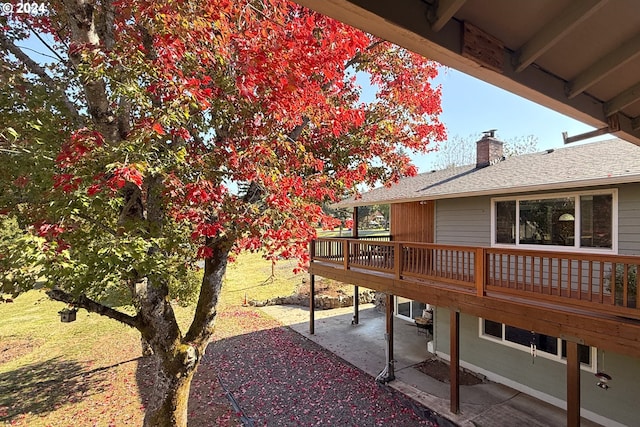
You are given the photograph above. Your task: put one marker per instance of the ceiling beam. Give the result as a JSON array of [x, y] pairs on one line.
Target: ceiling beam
[[444, 11], [554, 31], [628, 51], [403, 22], [622, 100]]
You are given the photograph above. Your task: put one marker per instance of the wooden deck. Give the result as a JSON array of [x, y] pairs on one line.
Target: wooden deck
[[589, 297]]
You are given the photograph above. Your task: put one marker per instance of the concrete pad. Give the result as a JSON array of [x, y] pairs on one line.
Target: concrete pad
[[364, 346]]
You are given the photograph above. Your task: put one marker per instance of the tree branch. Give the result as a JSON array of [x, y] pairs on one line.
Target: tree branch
[[358, 56], [201, 328], [95, 307], [96, 222], [36, 69], [47, 45], [82, 24], [297, 131]]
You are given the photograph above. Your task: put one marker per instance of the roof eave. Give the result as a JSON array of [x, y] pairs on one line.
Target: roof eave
[[597, 182]]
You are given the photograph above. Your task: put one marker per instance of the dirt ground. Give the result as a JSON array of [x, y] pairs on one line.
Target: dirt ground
[[439, 369]]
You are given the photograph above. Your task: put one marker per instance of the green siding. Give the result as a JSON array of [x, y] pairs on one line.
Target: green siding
[[464, 221], [629, 219], [619, 403], [467, 221]]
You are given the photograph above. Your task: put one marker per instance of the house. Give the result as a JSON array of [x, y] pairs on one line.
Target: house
[[529, 265]]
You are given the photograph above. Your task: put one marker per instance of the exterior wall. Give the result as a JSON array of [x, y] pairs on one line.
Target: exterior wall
[[547, 377], [464, 221], [412, 222], [629, 219], [468, 221]]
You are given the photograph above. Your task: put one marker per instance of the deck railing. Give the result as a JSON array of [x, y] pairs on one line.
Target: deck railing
[[601, 282]]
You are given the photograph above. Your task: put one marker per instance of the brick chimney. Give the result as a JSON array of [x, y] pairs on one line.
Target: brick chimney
[[488, 150]]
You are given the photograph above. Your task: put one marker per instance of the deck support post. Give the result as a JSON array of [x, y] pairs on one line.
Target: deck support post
[[573, 385], [312, 305], [454, 363], [391, 375], [356, 305]]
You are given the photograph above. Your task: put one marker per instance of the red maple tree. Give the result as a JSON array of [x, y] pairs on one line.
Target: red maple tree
[[168, 132]]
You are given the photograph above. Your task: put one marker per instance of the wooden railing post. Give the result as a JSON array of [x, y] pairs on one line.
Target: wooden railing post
[[397, 260], [480, 273], [345, 253]]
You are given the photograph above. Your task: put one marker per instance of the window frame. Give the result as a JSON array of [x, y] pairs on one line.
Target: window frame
[[577, 239], [539, 353]]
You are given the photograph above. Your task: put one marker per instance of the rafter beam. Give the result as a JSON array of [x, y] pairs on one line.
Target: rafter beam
[[622, 100], [606, 65], [403, 22], [444, 11], [554, 31]]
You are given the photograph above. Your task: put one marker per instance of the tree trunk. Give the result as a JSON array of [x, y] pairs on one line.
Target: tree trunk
[[176, 357], [169, 401]]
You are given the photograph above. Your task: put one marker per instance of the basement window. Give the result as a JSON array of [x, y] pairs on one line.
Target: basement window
[[546, 346], [584, 221]]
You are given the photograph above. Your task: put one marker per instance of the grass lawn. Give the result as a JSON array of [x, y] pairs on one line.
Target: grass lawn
[[89, 372]]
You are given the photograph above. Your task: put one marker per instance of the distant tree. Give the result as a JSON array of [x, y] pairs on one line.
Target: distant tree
[[384, 210], [340, 214], [459, 151], [521, 145], [363, 213]]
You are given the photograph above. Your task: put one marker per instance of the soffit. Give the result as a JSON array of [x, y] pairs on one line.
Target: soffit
[[578, 57]]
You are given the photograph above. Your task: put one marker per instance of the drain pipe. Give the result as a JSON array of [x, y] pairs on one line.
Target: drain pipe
[[387, 373]]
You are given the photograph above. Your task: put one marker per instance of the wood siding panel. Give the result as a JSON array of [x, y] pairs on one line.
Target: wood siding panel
[[464, 221], [413, 222]]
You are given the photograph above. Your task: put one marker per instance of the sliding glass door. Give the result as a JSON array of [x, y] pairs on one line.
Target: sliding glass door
[[409, 309]]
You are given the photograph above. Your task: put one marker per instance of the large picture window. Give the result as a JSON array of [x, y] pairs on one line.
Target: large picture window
[[544, 345], [580, 220]]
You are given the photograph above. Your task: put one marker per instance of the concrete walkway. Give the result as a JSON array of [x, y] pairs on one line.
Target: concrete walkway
[[363, 345]]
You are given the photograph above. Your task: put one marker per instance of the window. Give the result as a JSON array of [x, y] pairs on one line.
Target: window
[[582, 220], [409, 309], [545, 345]]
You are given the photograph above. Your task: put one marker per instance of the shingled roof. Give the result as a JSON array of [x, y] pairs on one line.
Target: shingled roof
[[600, 163]]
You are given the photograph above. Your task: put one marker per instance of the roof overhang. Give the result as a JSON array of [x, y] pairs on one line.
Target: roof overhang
[[559, 187], [580, 58]]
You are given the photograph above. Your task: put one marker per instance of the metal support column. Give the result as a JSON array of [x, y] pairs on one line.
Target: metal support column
[[391, 375], [356, 297], [312, 306], [356, 306], [454, 363], [354, 228]]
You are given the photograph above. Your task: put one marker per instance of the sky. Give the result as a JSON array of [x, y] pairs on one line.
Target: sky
[[471, 106]]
